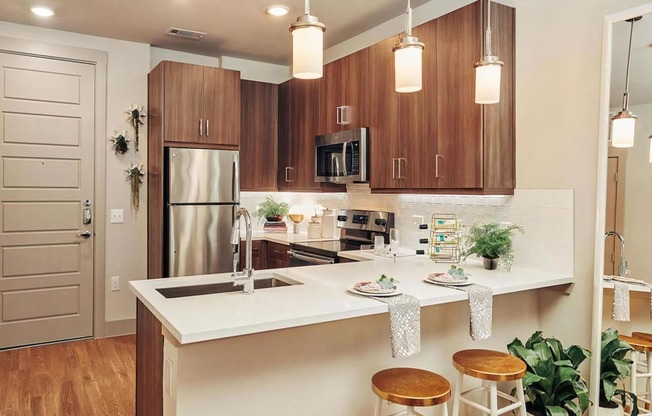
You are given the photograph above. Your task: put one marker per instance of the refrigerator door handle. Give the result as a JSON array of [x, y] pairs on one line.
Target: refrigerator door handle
[[236, 178]]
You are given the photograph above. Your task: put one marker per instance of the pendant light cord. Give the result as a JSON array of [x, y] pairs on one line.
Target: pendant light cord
[[307, 8], [408, 20], [488, 34], [629, 59]]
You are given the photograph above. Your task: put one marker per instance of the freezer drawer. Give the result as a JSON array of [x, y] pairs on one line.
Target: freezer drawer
[[200, 175], [198, 239]]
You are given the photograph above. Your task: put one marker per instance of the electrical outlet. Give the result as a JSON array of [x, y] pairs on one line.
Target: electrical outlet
[[117, 216], [115, 283]]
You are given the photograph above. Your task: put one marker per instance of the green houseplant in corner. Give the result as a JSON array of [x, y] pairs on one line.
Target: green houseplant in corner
[[614, 367], [553, 384], [272, 210], [492, 242]]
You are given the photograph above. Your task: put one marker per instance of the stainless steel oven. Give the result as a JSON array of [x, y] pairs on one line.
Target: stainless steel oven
[[304, 258], [342, 157]]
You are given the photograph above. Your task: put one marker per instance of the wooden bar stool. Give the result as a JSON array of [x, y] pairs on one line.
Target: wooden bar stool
[[490, 367], [410, 387], [642, 343]]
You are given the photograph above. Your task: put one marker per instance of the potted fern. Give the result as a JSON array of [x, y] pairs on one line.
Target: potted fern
[[614, 367], [271, 210], [492, 242], [553, 383]]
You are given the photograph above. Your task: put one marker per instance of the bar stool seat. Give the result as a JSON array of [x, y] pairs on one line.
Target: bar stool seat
[[490, 367], [642, 343], [411, 387]]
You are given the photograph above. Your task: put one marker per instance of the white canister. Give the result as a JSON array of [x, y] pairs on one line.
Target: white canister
[[314, 230], [328, 224]]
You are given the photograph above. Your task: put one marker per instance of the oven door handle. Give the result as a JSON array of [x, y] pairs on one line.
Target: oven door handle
[[310, 259]]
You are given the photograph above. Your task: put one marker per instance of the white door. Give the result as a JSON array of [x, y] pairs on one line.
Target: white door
[[46, 175]]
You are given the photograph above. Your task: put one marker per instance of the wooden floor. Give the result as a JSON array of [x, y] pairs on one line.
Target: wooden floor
[[80, 378]]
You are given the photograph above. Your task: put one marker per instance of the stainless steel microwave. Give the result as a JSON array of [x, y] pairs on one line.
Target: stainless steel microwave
[[342, 157]]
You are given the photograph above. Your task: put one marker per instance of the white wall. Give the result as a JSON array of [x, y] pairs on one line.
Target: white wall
[[638, 197], [126, 245], [159, 54]]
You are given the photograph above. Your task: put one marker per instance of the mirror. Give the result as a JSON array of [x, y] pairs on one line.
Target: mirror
[[624, 193]]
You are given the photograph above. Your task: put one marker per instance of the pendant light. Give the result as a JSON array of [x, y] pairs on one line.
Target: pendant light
[[623, 123], [407, 59], [307, 46], [487, 71]]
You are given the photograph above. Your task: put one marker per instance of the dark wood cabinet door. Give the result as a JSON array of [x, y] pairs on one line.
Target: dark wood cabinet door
[[305, 125], [332, 96], [221, 107], [285, 167], [499, 122], [183, 102], [459, 126], [258, 136], [257, 254], [356, 79], [277, 256], [384, 118]]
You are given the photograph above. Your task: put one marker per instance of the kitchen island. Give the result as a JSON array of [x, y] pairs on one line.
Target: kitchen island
[[311, 348]]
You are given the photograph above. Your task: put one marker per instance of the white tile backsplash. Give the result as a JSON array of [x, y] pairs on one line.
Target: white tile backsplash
[[546, 215]]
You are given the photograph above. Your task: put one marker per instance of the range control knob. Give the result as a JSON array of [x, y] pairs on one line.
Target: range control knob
[[381, 222], [341, 218]]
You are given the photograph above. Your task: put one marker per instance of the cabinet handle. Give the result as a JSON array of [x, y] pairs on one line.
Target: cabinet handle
[[400, 176], [201, 127], [287, 173], [345, 117], [437, 166], [207, 128], [394, 167], [338, 116]]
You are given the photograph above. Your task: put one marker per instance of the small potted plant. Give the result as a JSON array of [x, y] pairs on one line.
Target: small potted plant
[[614, 367], [553, 384], [492, 242], [271, 210]]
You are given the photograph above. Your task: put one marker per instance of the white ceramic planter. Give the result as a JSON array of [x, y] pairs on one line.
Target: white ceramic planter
[[616, 411]]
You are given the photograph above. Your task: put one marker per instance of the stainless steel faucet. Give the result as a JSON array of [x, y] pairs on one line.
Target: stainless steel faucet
[[622, 267], [245, 277]]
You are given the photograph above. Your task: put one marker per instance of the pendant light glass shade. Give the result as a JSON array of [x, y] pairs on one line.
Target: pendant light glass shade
[[623, 124], [623, 128], [307, 46], [488, 70], [408, 59]]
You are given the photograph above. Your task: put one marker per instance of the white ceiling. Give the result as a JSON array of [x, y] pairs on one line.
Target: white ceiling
[[235, 28], [640, 78]]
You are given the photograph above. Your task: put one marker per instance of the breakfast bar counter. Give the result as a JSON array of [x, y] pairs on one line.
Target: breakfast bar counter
[[311, 348]]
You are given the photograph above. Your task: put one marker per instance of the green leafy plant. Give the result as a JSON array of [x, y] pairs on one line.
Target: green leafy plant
[[553, 384], [270, 208], [613, 367], [492, 241]]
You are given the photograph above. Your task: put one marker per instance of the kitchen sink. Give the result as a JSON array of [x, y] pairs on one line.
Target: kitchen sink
[[273, 280]]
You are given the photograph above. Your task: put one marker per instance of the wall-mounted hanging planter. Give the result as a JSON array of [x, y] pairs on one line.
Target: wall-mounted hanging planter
[[135, 119], [135, 174], [120, 142]]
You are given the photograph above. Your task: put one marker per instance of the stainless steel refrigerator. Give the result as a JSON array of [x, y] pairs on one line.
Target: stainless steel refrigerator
[[202, 192]]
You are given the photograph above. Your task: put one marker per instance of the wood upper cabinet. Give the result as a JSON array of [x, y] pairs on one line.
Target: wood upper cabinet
[[258, 136], [345, 93], [201, 104], [299, 105]]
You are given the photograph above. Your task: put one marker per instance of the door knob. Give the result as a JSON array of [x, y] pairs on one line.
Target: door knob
[[86, 234]]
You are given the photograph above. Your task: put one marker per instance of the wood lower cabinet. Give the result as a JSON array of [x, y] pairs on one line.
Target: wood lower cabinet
[[276, 255], [201, 105], [149, 363], [258, 136], [258, 256]]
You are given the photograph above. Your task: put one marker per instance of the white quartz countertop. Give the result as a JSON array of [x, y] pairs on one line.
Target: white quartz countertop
[[323, 296], [285, 238]]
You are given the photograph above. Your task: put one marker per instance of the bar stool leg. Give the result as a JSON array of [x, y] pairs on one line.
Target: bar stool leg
[[410, 411], [521, 397], [379, 405], [493, 398], [457, 393], [648, 395], [444, 409], [633, 375]]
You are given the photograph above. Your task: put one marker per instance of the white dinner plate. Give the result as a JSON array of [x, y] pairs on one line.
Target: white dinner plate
[[438, 278], [382, 295], [358, 287]]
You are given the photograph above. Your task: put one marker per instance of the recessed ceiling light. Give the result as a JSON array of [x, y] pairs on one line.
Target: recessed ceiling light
[[277, 10], [42, 11]]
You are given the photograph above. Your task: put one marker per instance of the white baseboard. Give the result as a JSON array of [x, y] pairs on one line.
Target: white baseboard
[[120, 327]]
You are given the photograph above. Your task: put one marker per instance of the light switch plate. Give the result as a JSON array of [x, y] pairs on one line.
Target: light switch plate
[[117, 216]]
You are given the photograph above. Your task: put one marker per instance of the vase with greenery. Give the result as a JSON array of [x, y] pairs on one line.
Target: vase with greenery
[[272, 210], [615, 367], [492, 242], [553, 384]]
